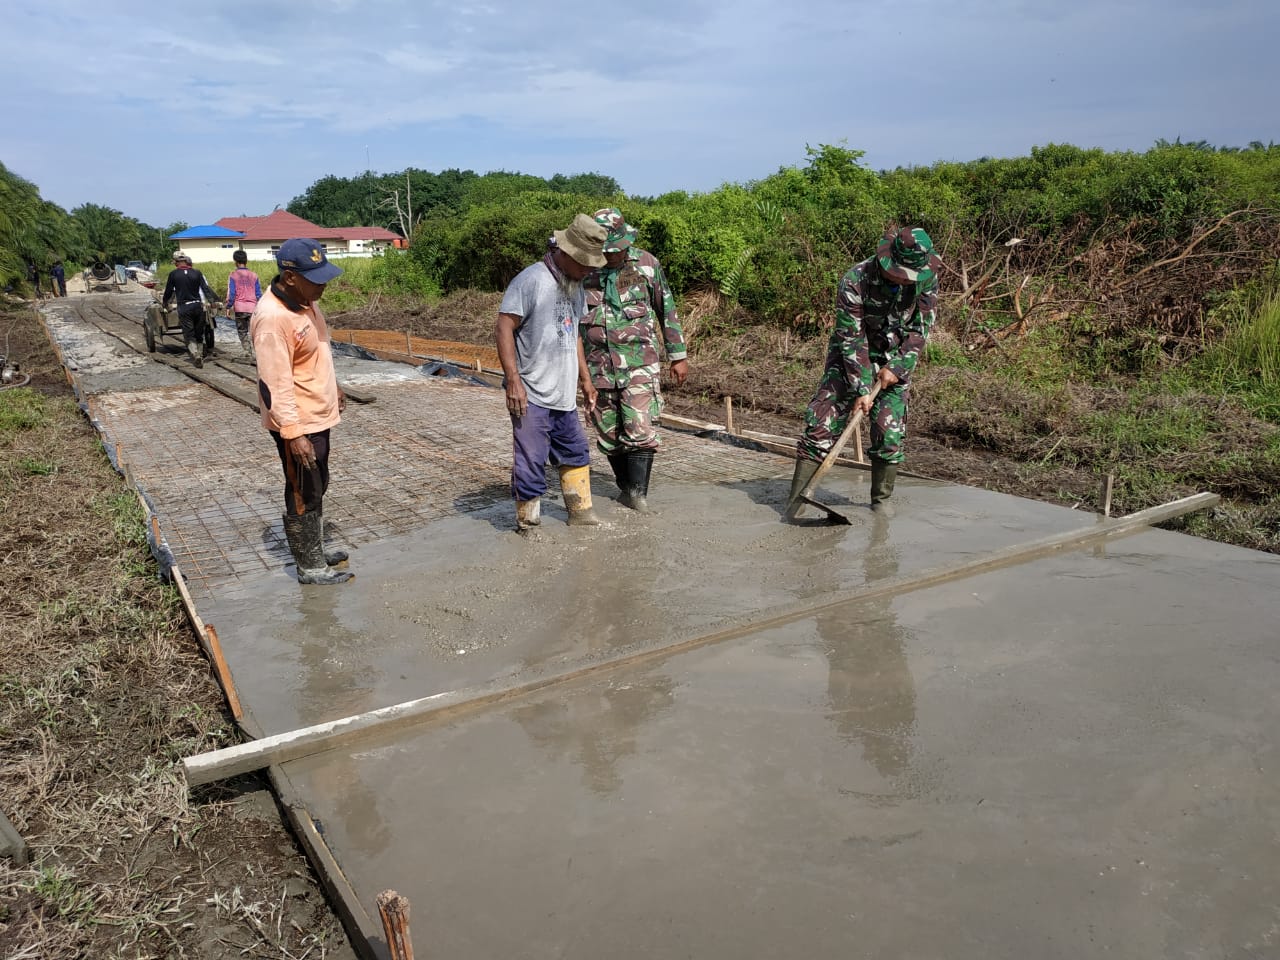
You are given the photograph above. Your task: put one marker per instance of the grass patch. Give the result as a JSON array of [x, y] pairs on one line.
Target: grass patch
[[20, 409], [102, 692]]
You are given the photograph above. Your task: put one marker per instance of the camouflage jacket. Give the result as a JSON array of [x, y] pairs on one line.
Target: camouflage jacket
[[621, 338], [875, 323]]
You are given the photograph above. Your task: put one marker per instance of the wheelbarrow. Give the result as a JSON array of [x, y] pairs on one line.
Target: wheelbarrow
[[159, 323]]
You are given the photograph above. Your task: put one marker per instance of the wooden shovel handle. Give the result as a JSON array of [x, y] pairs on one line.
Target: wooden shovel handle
[[829, 460]]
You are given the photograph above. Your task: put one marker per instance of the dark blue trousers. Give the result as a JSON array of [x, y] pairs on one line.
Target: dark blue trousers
[[543, 434]]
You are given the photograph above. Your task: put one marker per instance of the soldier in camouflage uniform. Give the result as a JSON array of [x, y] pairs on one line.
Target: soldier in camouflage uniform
[[628, 302], [885, 307]]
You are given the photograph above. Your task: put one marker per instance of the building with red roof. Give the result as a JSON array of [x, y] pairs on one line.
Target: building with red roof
[[260, 238]]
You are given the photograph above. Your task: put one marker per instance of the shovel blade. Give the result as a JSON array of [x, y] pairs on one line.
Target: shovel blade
[[833, 516]]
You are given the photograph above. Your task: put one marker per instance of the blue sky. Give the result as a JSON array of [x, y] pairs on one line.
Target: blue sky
[[171, 112]]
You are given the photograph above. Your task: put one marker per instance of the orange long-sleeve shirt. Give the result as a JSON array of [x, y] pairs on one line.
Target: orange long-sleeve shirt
[[296, 380]]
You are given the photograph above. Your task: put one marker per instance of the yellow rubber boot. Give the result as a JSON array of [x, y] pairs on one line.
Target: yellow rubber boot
[[575, 484]]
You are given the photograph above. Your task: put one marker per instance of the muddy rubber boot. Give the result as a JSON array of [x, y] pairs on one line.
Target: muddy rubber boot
[[883, 476], [805, 469], [303, 534], [196, 353], [639, 466], [618, 460], [528, 515], [575, 484], [335, 557]]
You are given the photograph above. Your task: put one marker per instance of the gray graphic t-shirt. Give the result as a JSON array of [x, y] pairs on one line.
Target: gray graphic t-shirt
[[547, 338]]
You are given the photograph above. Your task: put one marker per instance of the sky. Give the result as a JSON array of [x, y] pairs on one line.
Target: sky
[[192, 112]]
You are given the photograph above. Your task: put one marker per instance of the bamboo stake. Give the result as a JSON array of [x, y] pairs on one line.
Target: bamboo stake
[[1104, 496], [394, 910], [728, 415]]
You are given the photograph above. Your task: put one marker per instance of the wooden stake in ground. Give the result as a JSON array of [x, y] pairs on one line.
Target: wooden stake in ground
[[728, 415], [394, 910], [1104, 496]]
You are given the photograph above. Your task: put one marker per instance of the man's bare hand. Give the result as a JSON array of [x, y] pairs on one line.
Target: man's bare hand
[[680, 371], [886, 377], [517, 399], [303, 451], [589, 396], [342, 400], [863, 405]]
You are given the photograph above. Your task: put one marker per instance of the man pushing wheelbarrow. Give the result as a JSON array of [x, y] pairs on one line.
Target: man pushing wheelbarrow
[[186, 284]]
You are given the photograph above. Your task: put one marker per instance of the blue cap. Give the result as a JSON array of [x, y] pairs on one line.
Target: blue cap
[[306, 257]]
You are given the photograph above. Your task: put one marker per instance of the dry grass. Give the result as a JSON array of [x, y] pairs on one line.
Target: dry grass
[[102, 691]]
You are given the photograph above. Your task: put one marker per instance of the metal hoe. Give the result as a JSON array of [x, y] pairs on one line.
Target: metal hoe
[[834, 516]]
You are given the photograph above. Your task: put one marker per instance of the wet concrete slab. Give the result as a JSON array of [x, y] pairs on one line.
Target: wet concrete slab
[[1059, 758], [466, 600], [1072, 757]]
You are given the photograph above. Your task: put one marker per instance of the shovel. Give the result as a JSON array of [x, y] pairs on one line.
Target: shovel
[[834, 516]]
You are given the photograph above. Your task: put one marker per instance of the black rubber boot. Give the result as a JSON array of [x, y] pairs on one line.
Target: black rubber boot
[[335, 557], [805, 469], [618, 460], [635, 494], [303, 534], [883, 476], [195, 352]]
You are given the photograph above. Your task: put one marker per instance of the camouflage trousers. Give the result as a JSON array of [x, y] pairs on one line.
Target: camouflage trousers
[[828, 414], [627, 419]]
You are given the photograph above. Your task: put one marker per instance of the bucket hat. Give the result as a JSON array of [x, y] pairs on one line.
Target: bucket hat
[[906, 256], [620, 234], [583, 240]]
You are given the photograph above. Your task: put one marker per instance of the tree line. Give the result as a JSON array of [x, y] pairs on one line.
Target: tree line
[[37, 231]]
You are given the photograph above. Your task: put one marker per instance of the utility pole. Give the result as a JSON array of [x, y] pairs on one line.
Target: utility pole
[[368, 174]]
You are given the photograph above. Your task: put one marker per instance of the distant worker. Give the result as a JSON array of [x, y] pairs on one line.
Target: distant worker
[[301, 399], [58, 276], [628, 302], [243, 291], [543, 365], [186, 284], [885, 307], [33, 277]]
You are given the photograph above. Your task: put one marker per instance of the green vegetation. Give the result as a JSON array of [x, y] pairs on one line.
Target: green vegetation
[[33, 230], [392, 273]]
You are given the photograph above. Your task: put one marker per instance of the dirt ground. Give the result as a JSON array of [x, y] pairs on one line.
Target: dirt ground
[[103, 689]]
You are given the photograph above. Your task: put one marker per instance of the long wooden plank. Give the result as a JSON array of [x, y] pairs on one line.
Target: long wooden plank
[[293, 744]]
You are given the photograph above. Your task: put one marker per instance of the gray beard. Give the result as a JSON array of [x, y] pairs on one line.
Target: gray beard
[[570, 288]]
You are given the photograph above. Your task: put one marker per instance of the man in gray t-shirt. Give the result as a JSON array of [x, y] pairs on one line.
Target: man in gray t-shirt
[[542, 360]]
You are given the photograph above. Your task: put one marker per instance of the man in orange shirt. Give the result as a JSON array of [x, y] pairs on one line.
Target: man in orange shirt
[[301, 399]]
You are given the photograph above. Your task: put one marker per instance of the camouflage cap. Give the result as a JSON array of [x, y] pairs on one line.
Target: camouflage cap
[[621, 234], [906, 256]]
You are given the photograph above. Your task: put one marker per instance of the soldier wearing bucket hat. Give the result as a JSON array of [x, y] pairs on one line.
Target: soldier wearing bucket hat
[[543, 365], [630, 311], [301, 400], [885, 307]]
